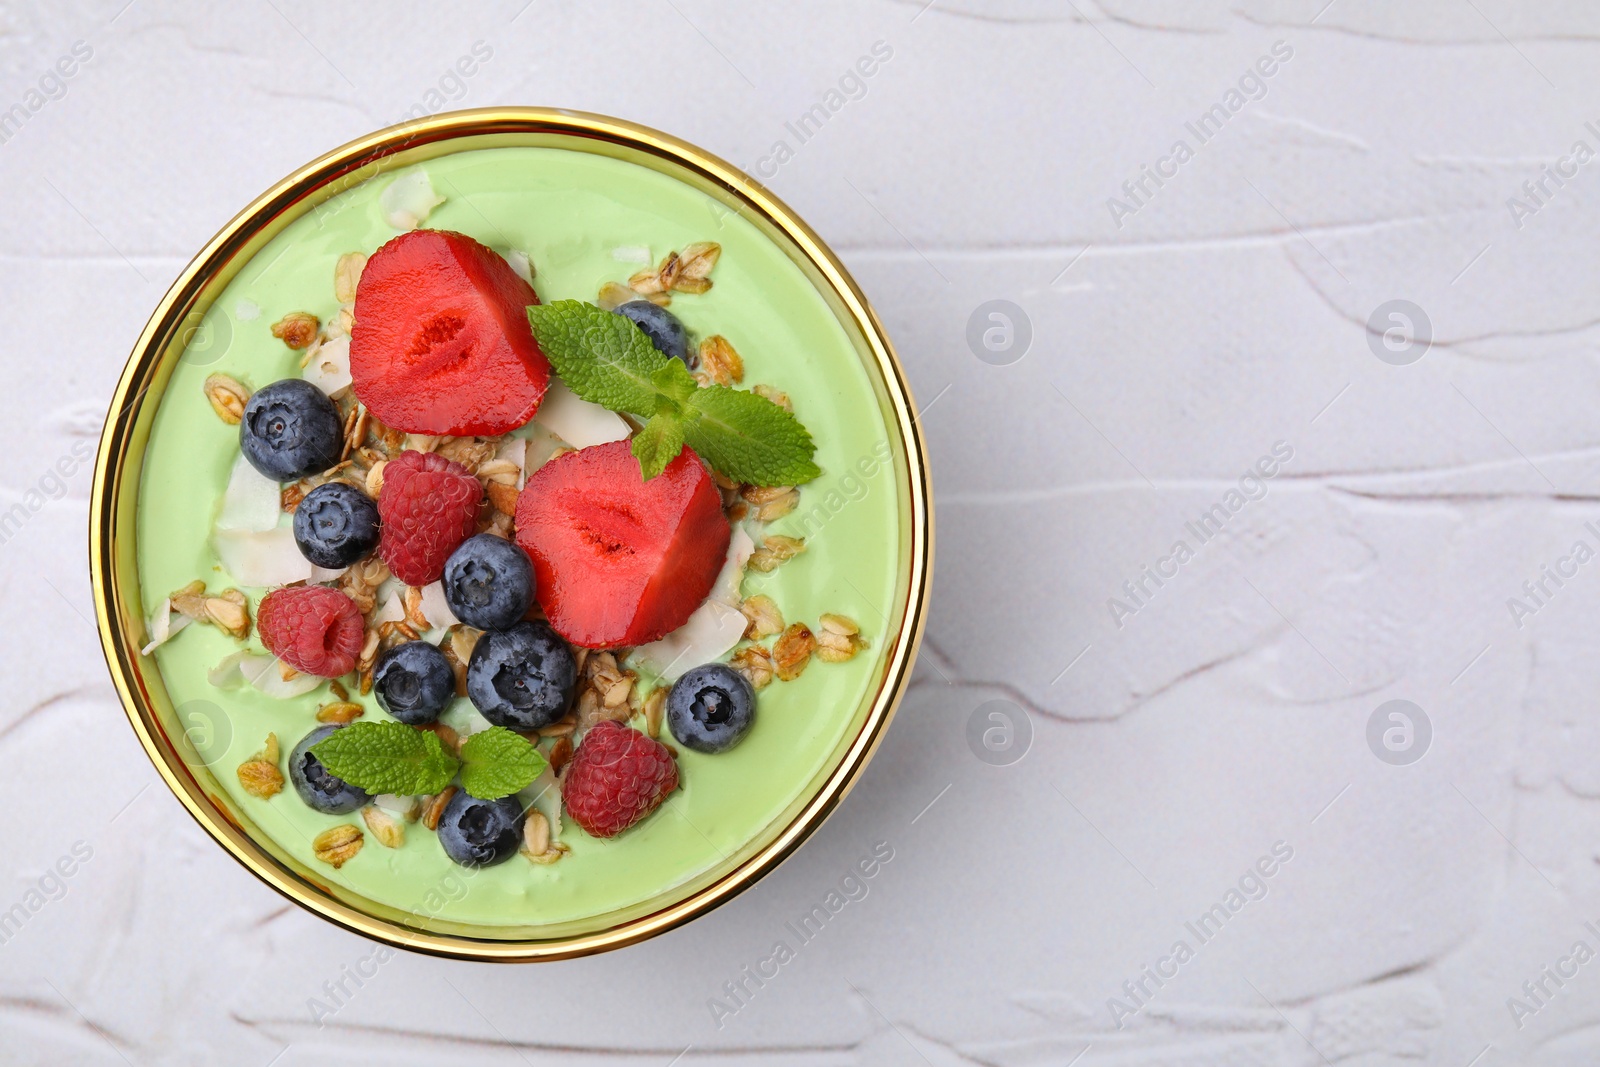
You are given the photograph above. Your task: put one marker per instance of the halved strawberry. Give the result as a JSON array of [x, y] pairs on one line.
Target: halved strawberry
[[441, 342], [619, 560]]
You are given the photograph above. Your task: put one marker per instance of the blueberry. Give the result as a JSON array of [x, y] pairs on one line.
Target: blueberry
[[291, 429], [710, 708], [522, 678], [318, 788], [661, 326], [480, 833], [414, 682], [488, 582], [335, 525]]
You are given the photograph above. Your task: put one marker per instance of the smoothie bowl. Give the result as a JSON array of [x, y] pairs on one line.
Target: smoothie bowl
[[511, 534]]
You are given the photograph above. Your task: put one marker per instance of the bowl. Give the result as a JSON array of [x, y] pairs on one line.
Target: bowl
[[180, 327]]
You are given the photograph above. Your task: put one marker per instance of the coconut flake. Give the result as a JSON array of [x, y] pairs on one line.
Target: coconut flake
[[711, 632], [713, 628], [408, 200], [520, 265], [252, 500], [265, 558], [328, 367], [163, 627], [226, 675], [470, 721], [578, 422], [246, 310], [515, 450], [390, 586], [393, 609], [159, 627], [631, 254], [326, 574], [540, 449], [726, 588], [436, 607], [407, 808], [264, 673]]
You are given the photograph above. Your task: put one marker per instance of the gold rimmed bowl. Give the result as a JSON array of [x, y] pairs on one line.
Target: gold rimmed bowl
[[130, 470]]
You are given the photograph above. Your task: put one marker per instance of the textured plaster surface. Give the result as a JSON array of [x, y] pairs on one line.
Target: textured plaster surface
[[1177, 737]]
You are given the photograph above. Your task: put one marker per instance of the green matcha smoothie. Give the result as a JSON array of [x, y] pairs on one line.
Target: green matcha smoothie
[[569, 212]]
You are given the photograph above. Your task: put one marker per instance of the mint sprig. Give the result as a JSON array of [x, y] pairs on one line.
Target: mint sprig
[[607, 360], [391, 757], [733, 428], [496, 763], [658, 443], [602, 357], [387, 757]]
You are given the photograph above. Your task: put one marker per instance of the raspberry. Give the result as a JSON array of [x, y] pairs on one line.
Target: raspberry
[[617, 777], [429, 505], [314, 629]]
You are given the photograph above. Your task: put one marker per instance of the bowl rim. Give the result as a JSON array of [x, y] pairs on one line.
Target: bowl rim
[[281, 203]]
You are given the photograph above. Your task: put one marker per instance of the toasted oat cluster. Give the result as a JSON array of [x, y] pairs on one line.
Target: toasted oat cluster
[[429, 510]]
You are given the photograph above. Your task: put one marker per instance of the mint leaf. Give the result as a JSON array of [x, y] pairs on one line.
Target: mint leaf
[[674, 381], [497, 763], [658, 444], [602, 356], [607, 360], [748, 437], [387, 757]]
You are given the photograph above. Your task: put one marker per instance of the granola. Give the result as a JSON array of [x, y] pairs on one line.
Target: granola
[[537, 843], [774, 551], [346, 274], [435, 806], [772, 502], [777, 396], [389, 831], [612, 296], [687, 272], [792, 651], [228, 396], [603, 690], [338, 845], [755, 663], [259, 775], [655, 706], [838, 639], [341, 712], [765, 618], [720, 364], [228, 611], [298, 329]]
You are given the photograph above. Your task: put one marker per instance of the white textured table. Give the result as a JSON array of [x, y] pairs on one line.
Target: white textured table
[[1191, 731]]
